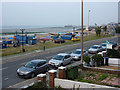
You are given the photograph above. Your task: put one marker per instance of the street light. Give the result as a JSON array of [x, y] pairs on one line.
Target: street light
[[82, 35], [22, 40], [88, 18]]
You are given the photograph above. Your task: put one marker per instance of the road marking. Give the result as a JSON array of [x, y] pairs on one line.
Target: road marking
[[3, 68], [6, 79]]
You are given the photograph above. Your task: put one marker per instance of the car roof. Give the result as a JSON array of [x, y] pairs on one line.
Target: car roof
[[38, 60], [63, 54], [97, 45], [80, 50]]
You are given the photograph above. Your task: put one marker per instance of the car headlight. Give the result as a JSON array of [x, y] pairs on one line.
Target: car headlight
[[18, 70]]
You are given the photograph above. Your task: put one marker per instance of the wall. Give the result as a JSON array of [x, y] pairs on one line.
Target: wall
[[74, 84]]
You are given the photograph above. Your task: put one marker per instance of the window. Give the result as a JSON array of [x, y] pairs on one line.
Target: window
[[66, 57]]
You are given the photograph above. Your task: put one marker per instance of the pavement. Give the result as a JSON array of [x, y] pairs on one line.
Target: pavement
[[11, 63]]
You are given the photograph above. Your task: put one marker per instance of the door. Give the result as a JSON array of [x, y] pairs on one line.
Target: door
[[67, 59]]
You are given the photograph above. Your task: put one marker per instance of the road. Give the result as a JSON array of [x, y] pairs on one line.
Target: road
[[9, 67]]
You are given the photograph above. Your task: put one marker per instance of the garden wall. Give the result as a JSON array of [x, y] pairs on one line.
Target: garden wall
[[74, 84]]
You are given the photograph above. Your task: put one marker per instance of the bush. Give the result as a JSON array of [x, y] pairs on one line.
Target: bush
[[117, 29], [113, 53], [87, 59], [98, 59]]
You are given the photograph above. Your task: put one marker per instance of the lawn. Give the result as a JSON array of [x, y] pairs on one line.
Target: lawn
[[49, 44]]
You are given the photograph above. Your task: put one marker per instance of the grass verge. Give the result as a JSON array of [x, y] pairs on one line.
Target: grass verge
[[50, 44]]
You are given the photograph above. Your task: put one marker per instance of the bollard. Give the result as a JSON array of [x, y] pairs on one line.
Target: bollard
[[62, 72], [52, 75], [42, 78]]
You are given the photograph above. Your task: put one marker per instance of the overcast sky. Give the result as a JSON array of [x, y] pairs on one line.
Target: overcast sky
[[57, 13]]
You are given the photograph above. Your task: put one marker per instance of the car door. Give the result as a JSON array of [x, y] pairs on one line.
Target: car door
[[40, 67], [67, 59]]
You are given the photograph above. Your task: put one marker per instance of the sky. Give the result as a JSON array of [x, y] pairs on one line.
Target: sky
[[57, 13]]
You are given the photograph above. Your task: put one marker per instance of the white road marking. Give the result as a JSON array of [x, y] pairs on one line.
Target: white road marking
[[6, 79], [3, 68]]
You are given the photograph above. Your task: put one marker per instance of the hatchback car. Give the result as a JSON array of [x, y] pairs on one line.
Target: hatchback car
[[95, 49], [103, 45], [60, 59], [76, 55], [32, 68]]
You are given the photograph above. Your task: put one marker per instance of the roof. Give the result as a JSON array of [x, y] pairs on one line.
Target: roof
[[97, 45], [79, 50], [38, 60], [63, 54]]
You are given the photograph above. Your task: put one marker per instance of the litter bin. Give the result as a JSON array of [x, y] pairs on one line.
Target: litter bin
[[72, 72], [106, 61]]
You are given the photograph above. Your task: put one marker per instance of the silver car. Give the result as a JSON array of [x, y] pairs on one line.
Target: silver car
[[103, 45], [60, 59], [76, 55], [95, 49]]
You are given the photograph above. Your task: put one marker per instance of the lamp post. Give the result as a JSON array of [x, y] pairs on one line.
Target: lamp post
[[82, 34], [22, 40], [88, 17]]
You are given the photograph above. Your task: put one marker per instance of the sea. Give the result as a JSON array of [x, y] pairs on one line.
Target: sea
[[43, 29]]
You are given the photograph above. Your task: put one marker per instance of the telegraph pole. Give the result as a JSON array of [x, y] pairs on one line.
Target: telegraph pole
[[82, 34], [22, 40]]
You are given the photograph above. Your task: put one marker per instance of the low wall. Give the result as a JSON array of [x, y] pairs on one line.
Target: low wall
[[114, 61], [74, 84]]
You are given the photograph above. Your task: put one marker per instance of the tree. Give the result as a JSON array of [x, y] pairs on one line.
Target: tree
[[105, 28], [117, 29], [98, 31]]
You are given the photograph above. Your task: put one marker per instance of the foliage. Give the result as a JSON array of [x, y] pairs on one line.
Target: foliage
[[105, 28], [98, 31], [113, 53], [102, 77], [87, 59], [97, 59], [117, 29]]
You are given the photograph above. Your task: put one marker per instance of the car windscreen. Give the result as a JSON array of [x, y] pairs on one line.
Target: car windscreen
[[31, 65], [94, 47], [58, 57], [103, 44], [77, 52]]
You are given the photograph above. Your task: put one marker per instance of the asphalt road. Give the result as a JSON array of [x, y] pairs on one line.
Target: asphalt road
[[9, 75]]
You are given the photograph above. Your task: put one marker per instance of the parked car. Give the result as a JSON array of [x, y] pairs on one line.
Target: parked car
[[75, 39], [60, 60], [32, 68], [103, 45], [95, 49], [76, 55], [59, 40]]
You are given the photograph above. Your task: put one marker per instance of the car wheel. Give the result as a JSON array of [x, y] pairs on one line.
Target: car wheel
[[32, 75]]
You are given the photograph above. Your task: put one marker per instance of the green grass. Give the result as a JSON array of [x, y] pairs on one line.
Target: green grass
[[50, 44], [103, 76]]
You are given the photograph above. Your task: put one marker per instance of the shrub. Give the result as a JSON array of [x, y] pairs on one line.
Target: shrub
[[97, 59], [113, 53], [87, 59]]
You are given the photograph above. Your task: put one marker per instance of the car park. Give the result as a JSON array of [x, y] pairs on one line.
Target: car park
[[60, 60], [95, 49], [32, 68], [103, 45], [76, 55]]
